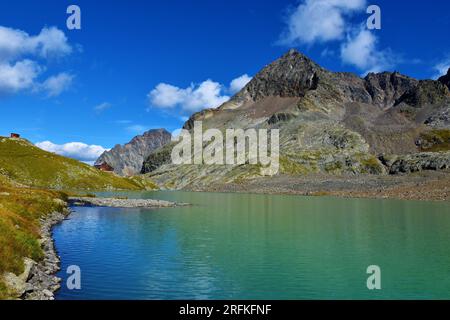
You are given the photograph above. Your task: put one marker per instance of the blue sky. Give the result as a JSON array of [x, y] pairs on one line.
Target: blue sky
[[137, 65]]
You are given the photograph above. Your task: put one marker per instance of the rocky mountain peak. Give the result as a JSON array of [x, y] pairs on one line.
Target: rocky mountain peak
[[292, 75], [155, 131], [127, 160]]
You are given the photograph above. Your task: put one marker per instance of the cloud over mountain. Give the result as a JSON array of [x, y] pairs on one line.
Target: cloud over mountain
[[208, 94], [75, 150], [361, 50], [319, 21], [328, 22]]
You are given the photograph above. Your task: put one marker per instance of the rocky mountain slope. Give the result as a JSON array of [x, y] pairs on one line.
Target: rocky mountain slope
[[330, 122], [127, 160]]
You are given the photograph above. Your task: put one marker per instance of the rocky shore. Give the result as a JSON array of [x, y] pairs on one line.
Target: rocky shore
[[122, 203], [38, 281], [420, 185]]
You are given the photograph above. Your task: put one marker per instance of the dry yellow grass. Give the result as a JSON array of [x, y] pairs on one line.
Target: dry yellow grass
[[20, 211]]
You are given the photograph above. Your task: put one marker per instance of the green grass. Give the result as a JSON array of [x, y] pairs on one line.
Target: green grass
[[369, 164], [436, 140], [334, 167], [24, 163], [288, 166]]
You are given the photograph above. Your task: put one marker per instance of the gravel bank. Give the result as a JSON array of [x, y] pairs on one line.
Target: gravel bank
[[424, 186], [123, 203]]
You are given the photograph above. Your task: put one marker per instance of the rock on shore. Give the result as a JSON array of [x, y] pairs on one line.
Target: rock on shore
[[419, 162], [38, 281], [42, 282]]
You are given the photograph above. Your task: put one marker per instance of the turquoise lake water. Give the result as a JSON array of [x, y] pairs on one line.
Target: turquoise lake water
[[244, 246]]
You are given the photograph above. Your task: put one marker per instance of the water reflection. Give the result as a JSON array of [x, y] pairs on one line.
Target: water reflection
[[241, 246]]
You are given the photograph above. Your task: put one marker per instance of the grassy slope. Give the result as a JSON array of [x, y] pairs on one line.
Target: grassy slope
[[31, 166], [20, 210], [25, 173]]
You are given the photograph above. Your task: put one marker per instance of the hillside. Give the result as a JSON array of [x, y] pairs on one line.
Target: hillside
[[330, 123], [21, 209], [24, 163]]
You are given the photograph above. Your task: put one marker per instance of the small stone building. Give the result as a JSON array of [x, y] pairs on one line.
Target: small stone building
[[104, 167], [15, 135]]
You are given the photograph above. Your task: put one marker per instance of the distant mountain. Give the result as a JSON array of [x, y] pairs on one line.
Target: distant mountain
[[127, 160], [330, 122], [22, 163]]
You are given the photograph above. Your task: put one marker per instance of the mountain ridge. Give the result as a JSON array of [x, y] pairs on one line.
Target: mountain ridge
[[330, 122], [127, 159]]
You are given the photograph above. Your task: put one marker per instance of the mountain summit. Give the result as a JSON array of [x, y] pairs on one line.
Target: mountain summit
[[290, 76]]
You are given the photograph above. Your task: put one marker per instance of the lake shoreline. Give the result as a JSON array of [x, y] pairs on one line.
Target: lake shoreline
[[41, 280]]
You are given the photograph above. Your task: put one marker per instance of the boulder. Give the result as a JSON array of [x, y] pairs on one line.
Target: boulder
[[18, 283], [421, 161]]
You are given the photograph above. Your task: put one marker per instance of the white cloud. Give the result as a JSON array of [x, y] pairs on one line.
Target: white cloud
[[323, 21], [191, 99], [441, 68], [361, 51], [319, 21], [22, 60], [208, 94], [75, 150], [102, 107], [167, 96], [18, 76], [237, 84], [50, 42], [55, 85]]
